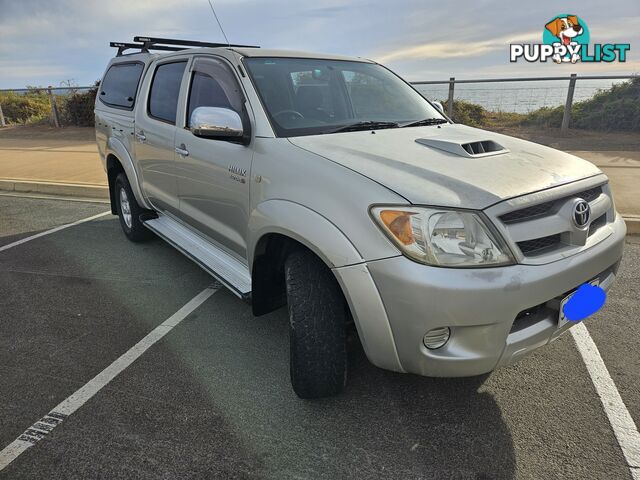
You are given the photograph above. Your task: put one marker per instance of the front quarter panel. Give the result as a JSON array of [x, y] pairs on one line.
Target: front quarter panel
[[319, 199]]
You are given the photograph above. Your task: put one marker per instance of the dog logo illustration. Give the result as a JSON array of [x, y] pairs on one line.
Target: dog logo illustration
[[566, 39], [566, 29]]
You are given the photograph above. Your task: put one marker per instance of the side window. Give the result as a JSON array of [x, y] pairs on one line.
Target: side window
[[213, 85], [120, 83], [165, 88]]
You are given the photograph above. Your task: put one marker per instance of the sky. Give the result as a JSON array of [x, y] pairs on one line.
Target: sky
[[48, 42]]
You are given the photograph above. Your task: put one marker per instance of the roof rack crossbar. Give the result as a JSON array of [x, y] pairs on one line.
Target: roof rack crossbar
[[123, 46], [151, 42], [144, 44]]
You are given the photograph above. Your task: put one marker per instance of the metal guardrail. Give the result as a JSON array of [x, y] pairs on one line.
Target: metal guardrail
[[566, 119], [572, 79]]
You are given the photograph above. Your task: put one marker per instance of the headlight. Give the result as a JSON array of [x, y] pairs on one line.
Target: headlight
[[443, 237]]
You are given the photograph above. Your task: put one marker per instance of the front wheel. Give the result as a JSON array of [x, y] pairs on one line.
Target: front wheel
[[129, 211], [317, 327]]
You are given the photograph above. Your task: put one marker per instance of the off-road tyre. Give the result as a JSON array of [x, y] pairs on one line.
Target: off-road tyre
[[129, 211], [317, 327]]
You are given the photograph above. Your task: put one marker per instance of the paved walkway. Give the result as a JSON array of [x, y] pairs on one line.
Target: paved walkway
[[623, 170], [75, 161], [51, 160]]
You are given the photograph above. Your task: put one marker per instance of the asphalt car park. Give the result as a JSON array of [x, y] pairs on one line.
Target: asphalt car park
[[211, 398]]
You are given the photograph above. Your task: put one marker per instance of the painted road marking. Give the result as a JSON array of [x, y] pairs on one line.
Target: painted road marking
[[53, 230], [623, 425], [55, 417]]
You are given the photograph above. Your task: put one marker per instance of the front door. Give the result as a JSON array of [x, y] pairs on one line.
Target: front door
[[155, 130], [213, 175]]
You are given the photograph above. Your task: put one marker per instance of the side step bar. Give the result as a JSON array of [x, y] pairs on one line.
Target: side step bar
[[223, 267]]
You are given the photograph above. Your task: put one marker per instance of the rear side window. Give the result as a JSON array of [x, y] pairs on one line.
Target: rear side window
[[165, 87], [120, 83]]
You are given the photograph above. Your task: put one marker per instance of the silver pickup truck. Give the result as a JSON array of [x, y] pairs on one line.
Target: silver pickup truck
[[330, 185]]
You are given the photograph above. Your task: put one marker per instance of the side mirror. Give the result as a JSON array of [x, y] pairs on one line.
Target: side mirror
[[216, 122], [438, 105]]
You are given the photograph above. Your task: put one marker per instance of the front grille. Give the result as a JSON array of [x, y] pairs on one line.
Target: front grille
[[591, 194], [538, 246], [528, 213], [547, 208], [597, 223]]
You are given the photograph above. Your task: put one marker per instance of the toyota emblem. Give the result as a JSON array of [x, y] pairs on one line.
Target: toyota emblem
[[581, 213]]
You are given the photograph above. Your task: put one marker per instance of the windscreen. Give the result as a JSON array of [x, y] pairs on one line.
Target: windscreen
[[313, 96]]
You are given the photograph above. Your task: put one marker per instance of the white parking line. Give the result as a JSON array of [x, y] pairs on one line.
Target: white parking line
[[53, 230], [55, 417], [623, 425]]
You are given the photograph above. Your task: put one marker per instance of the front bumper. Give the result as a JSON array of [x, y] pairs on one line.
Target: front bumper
[[481, 307]]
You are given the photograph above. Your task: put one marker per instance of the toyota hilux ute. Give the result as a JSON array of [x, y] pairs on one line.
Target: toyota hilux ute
[[330, 185]]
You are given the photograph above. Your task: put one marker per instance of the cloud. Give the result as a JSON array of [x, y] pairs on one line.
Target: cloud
[[19, 70], [455, 49], [52, 40]]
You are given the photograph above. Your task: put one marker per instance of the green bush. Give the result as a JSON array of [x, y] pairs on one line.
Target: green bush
[[31, 107], [617, 108], [77, 108], [468, 113], [544, 117]]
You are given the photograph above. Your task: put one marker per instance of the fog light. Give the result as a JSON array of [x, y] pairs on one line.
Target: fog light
[[436, 338]]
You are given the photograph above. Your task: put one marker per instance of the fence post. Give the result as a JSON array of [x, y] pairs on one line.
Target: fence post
[[452, 82], [54, 109], [2, 123], [566, 117]]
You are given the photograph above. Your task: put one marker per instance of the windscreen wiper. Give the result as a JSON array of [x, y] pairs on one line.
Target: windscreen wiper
[[367, 125], [425, 121]]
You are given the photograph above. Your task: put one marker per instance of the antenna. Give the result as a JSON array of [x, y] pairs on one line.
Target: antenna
[[219, 24]]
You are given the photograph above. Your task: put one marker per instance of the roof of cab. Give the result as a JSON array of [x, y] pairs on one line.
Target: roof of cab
[[268, 52], [245, 52], [180, 47]]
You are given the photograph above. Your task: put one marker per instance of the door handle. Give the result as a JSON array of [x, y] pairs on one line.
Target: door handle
[[182, 151], [141, 136]]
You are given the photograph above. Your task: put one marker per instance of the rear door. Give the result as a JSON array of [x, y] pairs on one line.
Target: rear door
[[155, 130], [213, 176]]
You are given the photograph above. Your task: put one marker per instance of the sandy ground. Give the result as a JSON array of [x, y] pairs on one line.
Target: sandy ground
[[64, 155], [69, 155]]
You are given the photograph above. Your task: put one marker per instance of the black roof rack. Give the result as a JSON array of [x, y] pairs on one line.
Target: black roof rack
[[167, 44]]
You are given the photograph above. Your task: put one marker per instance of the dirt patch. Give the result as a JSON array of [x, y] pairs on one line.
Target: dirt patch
[[575, 139], [83, 134]]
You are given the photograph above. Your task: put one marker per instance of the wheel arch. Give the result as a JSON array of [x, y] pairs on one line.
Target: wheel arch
[[118, 160], [279, 227]]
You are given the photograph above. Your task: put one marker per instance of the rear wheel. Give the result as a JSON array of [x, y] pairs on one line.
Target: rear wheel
[[129, 211], [317, 327]]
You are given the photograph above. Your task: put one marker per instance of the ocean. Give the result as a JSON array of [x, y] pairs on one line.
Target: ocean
[[520, 97]]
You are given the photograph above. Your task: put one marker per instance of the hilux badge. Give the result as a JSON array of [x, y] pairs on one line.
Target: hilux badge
[[238, 174]]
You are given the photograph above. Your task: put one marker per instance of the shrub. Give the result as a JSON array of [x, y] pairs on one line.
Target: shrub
[[544, 117], [31, 107], [77, 108], [617, 108], [468, 113]]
